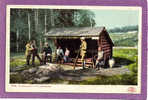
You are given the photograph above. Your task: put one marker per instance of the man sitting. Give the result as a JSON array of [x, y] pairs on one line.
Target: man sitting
[[99, 60], [60, 54], [66, 56], [47, 53]]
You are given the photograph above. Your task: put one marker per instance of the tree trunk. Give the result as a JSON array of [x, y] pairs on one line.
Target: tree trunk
[[45, 25], [36, 20], [29, 33], [17, 40], [51, 18], [41, 45]]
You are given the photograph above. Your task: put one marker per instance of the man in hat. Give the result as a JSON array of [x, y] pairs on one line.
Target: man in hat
[[47, 52], [35, 53], [28, 52], [83, 48]]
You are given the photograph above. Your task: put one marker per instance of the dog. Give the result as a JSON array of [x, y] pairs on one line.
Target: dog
[[111, 62]]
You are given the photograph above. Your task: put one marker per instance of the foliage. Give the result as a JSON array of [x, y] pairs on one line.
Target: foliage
[[41, 21]]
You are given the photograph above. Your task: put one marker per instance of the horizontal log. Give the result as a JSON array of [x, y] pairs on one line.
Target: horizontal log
[[105, 51], [105, 46], [79, 62], [104, 42], [87, 65], [103, 39]]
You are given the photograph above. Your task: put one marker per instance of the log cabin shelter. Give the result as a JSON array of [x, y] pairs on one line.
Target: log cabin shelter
[[70, 38]]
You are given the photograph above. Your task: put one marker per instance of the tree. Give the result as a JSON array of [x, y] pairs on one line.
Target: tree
[[32, 24]]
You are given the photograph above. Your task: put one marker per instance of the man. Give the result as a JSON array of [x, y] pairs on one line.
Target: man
[[28, 52], [60, 54], [100, 59], [83, 48], [66, 56], [35, 53], [47, 52]]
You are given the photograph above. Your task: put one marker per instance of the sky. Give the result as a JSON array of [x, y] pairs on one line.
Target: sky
[[116, 18]]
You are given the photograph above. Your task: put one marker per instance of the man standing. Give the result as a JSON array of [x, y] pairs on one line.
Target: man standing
[[28, 52], [83, 48], [35, 53], [47, 52]]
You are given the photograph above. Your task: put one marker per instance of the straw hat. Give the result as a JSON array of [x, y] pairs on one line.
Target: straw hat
[[82, 38]]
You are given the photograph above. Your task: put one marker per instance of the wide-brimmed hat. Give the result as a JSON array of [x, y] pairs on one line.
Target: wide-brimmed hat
[[82, 38]]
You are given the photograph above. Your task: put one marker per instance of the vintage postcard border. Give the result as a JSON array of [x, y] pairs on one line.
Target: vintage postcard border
[[111, 3], [71, 88]]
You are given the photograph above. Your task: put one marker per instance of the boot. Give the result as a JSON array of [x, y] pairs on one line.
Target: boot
[[84, 65], [33, 64], [28, 63]]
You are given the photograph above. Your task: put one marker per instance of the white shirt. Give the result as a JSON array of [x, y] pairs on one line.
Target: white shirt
[[100, 55], [60, 51], [67, 53]]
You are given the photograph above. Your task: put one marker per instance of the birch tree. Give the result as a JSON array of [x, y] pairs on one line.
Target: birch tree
[[29, 32], [45, 23]]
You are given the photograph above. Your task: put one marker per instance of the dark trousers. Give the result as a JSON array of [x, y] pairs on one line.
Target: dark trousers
[[45, 58], [59, 58], [28, 59], [99, 63], [33, 58]]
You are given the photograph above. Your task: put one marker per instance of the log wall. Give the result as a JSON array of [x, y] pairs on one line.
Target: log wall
[[106, 46]]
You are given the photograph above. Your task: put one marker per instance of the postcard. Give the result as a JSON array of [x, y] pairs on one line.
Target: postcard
[[74, 51]]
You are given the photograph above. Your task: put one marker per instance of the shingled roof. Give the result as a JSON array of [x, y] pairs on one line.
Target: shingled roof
[[75, 32]]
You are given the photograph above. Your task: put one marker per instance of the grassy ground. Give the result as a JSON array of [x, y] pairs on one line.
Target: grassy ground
[[125, 39], [123, 57], [18, 59]]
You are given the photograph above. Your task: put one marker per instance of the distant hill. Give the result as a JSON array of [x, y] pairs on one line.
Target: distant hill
[[129, 39], [123, 29]]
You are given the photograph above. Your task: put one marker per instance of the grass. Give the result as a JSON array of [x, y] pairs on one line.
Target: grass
[[125, 57], [18, 59], [109, 80], [125, 39]]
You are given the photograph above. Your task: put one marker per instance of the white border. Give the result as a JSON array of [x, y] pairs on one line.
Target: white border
[[70, 88]]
